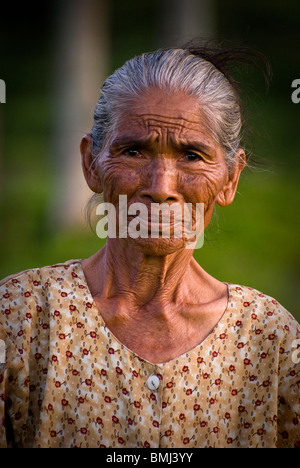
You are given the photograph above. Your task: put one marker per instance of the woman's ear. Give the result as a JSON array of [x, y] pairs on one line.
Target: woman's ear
[[88, 165], [227, 194]]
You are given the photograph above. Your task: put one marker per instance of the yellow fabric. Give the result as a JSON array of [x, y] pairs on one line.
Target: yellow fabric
[[68, 382]]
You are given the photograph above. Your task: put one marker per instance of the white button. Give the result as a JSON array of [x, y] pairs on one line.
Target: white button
[[153, 382]]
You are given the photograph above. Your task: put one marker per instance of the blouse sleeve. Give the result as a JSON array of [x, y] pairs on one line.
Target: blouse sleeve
[[3, 440], [288, 423], [14, 373]]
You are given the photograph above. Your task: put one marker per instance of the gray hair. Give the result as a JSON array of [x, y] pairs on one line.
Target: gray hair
[[172, 70]]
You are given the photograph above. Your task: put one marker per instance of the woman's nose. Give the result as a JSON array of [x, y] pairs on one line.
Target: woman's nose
[[161, 183]]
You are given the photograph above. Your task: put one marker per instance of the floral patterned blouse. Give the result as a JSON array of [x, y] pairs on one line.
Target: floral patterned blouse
[[66, 381]]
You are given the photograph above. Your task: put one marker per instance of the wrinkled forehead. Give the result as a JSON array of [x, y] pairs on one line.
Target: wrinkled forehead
[[163, 117]]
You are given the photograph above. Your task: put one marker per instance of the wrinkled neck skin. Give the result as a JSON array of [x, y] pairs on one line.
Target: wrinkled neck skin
[[143, 280]]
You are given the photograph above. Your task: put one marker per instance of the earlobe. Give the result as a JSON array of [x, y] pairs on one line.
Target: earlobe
[[88, 165], [227, 194]]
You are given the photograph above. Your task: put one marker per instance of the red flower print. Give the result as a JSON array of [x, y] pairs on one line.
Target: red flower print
[[215, 430], [242, 409], [72, 308], [89, 305], [196, 407], [63, 294], [18, 416], [218, 382], [247, 362], [36, 283], [64, 402], [252, 378], [121, 440], [260, 431], [115, 420], [155, 423], [259, 402], [246, 304]]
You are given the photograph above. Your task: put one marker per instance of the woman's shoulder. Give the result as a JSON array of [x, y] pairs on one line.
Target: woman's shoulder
[[33, 276], [27, 297], [259, 309]]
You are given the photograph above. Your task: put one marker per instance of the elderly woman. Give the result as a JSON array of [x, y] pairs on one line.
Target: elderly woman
[[138, 346]]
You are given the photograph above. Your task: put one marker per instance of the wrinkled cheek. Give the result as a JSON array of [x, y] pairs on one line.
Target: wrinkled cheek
[[119, 182], [203, 191]]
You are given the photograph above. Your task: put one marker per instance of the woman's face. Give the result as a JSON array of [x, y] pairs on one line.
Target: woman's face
[[161, 152]]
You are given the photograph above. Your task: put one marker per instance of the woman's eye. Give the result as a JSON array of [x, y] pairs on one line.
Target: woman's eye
[[131, 152], [190, 156]]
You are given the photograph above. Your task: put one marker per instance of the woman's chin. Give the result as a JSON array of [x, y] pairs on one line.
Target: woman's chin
[[158, 246]]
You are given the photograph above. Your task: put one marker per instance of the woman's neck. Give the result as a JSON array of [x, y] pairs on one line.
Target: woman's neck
[[138, 278]]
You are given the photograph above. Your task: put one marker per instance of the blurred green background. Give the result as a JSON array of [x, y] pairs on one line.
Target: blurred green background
[[255, 241]]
